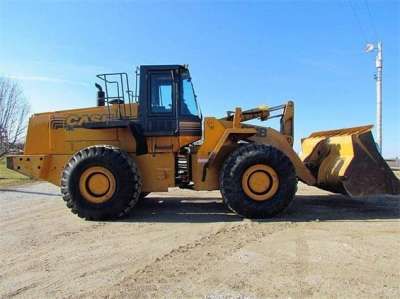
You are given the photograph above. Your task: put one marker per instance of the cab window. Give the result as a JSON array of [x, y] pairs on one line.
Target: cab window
[[161, 93], [188, 103]]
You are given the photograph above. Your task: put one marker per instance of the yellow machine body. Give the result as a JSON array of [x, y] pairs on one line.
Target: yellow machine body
[[341, 161]]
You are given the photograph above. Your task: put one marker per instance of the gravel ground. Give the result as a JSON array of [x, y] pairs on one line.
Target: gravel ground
[[186, 244]]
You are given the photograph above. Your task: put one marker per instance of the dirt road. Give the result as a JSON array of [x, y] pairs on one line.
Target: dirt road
[[186, 244]]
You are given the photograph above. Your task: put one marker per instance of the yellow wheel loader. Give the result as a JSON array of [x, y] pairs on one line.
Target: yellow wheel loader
[[106, 158]]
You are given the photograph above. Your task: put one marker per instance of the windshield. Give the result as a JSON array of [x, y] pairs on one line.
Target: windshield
[[188, 103]]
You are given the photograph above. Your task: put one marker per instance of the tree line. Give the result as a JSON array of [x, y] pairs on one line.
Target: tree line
[[14, 110]]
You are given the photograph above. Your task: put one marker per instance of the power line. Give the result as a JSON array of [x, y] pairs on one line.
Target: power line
[[358, 21], [371, 20]]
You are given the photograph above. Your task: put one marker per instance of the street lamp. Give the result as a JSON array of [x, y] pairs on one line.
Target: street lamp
[[378, 77]]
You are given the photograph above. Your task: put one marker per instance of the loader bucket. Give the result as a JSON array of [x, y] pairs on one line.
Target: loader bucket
[[347, 161]]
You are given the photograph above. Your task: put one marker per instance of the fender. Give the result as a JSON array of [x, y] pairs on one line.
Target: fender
[[279, 141]]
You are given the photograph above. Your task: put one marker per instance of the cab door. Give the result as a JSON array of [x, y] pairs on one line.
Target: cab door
[[158, 102]]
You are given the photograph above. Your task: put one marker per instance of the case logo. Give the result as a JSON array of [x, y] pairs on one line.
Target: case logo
[[73, 121]]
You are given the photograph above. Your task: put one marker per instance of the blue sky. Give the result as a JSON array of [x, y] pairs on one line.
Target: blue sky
[[240, 54]]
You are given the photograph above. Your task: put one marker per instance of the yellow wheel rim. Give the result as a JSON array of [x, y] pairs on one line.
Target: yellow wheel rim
[[260, 182], [97, 184]]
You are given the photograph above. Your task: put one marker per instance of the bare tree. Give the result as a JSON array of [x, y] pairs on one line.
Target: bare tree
[[14, 110]]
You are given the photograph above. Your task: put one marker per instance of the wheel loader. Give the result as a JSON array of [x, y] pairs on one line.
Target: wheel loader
[[108, 157]]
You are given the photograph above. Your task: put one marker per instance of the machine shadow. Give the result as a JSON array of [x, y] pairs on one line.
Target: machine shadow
[[182, 209], [303, 209]]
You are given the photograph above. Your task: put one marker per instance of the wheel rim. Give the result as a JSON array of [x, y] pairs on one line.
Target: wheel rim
[[97, 184], [260, 182]]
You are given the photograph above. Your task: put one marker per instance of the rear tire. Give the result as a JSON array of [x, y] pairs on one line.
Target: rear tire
[[275, 198], [118, 183]]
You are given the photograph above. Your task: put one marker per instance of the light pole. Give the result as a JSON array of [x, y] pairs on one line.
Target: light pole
[[378, 77]]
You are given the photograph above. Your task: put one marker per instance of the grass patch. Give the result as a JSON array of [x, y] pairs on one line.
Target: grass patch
[[9, 177]]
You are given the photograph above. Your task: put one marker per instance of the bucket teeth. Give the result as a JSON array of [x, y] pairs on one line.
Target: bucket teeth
[[347, 161]]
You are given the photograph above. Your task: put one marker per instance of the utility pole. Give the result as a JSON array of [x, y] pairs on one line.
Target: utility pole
[[378, 78]]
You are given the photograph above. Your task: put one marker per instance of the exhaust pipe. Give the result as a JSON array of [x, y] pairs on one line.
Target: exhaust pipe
[[100, 95]]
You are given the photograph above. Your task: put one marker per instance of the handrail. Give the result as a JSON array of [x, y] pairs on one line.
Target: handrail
[[117, 91]]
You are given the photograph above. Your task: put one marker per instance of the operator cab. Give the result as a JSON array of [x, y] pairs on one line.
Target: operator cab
[[166, 97], [167, 102]]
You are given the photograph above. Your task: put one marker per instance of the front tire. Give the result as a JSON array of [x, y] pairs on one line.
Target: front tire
[[100, 182], [258, 181]]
